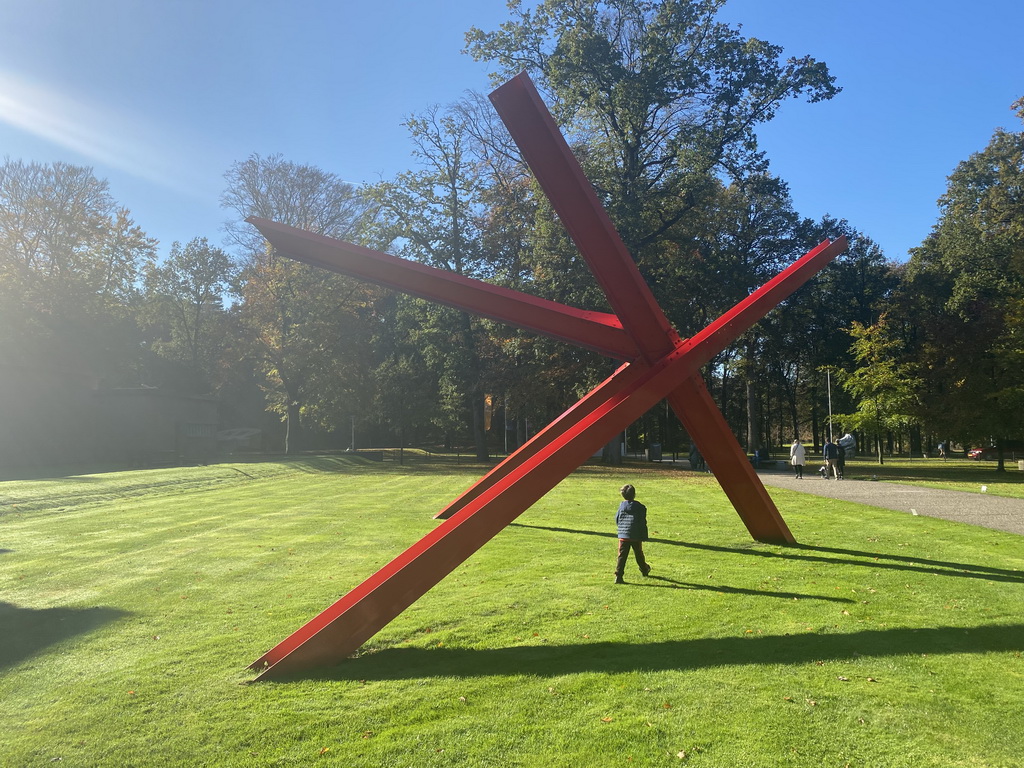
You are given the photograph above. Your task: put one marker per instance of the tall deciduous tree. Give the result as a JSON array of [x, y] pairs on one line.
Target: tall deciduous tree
[[965, 284], [435, 216], [663, 95], [309, 327], [884, 387], [69, 263], [661, 102], [813, 328], [185, 294]]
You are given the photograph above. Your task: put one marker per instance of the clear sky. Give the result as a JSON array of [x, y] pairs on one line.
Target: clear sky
[[161, 96]]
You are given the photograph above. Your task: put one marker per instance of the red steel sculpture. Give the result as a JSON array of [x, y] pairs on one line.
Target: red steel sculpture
[[658, 364]]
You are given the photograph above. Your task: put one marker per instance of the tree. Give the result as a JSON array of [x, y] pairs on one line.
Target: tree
[[435, 216], [963, 294], [660, 102], [69, 263], [185, 294], [811, 333], [309, 327], [662, 94], [885, 389]]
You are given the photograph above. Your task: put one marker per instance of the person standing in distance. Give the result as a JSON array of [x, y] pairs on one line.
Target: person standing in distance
[[631, 522], [830, 453], [797, 454]]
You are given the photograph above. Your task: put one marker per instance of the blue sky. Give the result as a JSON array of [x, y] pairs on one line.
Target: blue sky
[[161, 96]]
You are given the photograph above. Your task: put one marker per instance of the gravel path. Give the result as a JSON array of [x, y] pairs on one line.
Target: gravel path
[[998, 512]]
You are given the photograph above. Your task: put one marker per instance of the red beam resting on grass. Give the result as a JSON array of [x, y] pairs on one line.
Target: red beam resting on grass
[[659, 364]]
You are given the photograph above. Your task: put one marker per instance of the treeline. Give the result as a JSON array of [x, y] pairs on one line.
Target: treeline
[[660, 102]]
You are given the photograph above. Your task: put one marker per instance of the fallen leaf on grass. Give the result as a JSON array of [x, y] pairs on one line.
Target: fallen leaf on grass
[[325, 750], [606, 719]]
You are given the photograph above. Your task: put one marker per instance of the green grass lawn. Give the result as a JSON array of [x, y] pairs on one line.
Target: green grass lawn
[[953, 475], [131, 602]]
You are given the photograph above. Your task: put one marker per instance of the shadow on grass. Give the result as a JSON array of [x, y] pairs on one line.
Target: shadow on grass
[[675, 655], [871, 559], [27, 631], [663, 582]]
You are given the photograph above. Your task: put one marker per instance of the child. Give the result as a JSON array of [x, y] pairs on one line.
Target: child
[[631, 521]]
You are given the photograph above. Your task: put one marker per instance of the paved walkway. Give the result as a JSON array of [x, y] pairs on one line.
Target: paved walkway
[[998, 512]]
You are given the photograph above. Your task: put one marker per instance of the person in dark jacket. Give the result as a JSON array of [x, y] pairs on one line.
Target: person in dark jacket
[[631, 522], [830, 453]]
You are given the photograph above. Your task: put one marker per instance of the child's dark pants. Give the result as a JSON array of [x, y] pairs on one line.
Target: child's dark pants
[[638, 551]]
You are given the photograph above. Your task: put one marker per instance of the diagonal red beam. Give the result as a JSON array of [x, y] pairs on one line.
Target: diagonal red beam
[[598, 331], [588, 224], [349, 622], [693, 404], [707, 343]]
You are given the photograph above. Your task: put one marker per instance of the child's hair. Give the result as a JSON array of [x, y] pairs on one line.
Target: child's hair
[[628, 492]]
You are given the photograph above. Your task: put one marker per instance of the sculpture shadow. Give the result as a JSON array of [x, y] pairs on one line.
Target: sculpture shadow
[[667, 583], [674, 655], [29, 631], [831, 556]]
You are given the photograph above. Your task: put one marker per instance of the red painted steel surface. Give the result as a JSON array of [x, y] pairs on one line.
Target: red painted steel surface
[[574, 200], [594, 330], [661, 366]]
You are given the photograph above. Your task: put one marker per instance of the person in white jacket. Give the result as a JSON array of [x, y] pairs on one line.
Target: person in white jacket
[[796, 458]]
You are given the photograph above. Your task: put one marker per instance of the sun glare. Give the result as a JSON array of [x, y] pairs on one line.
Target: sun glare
[[104, 137]]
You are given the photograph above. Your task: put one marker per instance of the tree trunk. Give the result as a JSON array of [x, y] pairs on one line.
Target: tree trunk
[[753, 418], [293, 429], [479, 433], [814, 419], [611, 454]]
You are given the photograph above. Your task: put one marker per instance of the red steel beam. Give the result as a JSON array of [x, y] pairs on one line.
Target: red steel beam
[[598, 331], [692, 403], [343, 627], [574, 200]]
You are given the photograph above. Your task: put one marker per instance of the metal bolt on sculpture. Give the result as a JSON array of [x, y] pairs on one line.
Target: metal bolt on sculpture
[[658, 365]]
